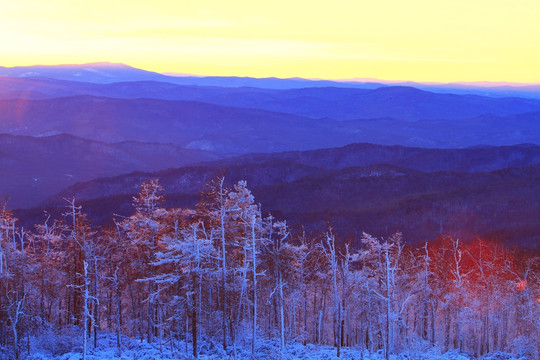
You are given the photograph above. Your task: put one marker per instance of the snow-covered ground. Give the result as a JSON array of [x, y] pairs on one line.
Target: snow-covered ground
[[68, 346]]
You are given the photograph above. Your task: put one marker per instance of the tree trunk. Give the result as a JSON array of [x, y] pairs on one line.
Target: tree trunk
[[281, 317], [194, 332], [223, 267], [85, 309], [254, 264], [118, 317]]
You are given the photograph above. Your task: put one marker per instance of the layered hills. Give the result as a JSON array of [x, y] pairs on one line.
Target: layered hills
[[333, 102], [362, 156], [488, 191], [34, 168], [234, 130]]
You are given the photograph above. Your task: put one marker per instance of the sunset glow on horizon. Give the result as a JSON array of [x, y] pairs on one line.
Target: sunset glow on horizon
[[417, 40]]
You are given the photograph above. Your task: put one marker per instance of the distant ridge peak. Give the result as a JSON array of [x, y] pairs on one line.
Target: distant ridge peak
[[106, 63], [95, 72], [83, 65]]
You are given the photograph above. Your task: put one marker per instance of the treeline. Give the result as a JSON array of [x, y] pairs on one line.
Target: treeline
[[226, 275]]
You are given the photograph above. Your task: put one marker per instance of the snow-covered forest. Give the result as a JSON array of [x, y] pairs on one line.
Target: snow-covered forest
[[227, 280]]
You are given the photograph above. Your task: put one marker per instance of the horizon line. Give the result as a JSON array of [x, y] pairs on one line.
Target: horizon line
[[477, 83]]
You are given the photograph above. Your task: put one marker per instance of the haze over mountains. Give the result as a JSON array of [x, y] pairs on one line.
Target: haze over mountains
[[106, 73], [362, 187], [298, 119], [399, 102], [36, 167], [66, 130]]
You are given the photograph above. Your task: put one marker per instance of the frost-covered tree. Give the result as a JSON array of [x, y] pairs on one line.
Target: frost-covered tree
[[278, 258], [143, 230], [187, 265], [226, 272], [384, 260], [214, 208], [328, 246], [46, 251], [83, 278], [13, 281]]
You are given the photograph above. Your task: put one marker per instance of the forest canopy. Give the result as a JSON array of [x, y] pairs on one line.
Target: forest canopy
[[228, 274]]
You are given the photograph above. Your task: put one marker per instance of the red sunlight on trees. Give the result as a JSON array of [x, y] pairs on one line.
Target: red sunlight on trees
[[521, 285], [227, 272]]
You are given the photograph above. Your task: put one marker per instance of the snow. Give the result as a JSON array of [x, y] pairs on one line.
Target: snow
[[66, 346], [28, 74]]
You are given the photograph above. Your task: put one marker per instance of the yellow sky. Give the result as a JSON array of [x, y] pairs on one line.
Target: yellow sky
[[420, 40]]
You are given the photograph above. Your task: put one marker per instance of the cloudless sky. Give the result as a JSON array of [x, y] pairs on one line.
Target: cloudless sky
[[420, 40]]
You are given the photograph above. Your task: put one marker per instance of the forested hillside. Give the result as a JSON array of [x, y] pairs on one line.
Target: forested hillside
[[223, 277], [482, 191]]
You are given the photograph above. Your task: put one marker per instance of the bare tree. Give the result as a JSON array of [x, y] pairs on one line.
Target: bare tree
[[329, 247]]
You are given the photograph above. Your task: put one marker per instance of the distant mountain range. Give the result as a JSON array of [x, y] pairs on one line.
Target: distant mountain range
[[457, 158], [234, 130], [105, 73], [194, 125], [422, 192], [34, 168], [270, 169], [403, 103]]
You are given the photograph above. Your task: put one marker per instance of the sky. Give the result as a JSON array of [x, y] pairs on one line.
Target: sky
[[417, 40]]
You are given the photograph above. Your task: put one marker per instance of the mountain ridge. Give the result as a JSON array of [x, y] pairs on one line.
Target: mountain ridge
[[38, 166], [400, 102], [234, 130], [314, 162], [104, 72], [379, 198]]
